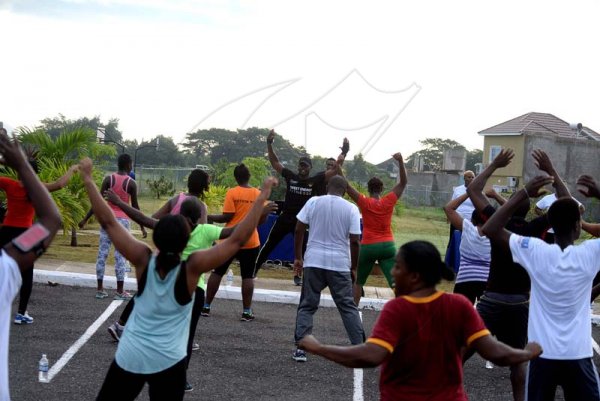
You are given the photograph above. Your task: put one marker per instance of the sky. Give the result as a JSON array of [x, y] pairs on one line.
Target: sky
[[385, 74]]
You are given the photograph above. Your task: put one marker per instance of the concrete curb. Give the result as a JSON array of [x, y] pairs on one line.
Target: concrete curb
[[225, 292]]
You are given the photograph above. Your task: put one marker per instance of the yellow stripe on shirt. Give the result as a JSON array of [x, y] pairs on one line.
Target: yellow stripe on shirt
[[478, 335], [381, 343]]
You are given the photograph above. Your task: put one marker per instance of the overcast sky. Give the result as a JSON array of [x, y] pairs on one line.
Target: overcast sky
[[384, 74]]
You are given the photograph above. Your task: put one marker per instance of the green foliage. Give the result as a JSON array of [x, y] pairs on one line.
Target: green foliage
[[215, 197], [473, 157], [259, 169], [433, 153], [160, 187]]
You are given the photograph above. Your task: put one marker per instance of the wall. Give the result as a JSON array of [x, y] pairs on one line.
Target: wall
[[514, 169], [571, 158], [430, 188]]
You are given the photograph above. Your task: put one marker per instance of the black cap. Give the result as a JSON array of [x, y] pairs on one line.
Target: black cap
[[305, 160]]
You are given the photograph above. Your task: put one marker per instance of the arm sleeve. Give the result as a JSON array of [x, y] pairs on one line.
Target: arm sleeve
[[4, 183], [355, 221], [523, 250], [214, 232], [388, 330], [306, 212], [472, 324], [229, 204], [287, 173]]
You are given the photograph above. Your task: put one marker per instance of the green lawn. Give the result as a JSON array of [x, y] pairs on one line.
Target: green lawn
[[425, 223]]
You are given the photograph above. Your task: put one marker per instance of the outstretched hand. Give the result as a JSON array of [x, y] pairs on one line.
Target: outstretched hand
[[542, 161], [309, 343], [590, 187], [504, 158], [111, 196], [533, 187], [271, 137], [345, 146], [398, 157], [534, 349], [270, 207], [267, 186], [10, 150], [85, 167]]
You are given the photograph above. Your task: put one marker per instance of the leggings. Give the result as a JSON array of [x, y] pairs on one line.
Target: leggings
[[166, 385], [121, 263], [196, 309], [7, 234], [382, 252], [284, 225]]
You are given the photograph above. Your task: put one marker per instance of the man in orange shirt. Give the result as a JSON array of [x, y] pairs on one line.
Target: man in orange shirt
[[238, 202]]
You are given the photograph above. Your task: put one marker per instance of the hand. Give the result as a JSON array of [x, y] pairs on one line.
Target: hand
[[144, 233], [111, 196], [85, 167], [504, 158], [298, 266], [271, 137], [345, 146], [533, 187], [309, 343], [398, 157], [490, 193], [270, 207], [534, 349], [267, 185], [10, 151], [542, 161], [590, 187], [74, 168]]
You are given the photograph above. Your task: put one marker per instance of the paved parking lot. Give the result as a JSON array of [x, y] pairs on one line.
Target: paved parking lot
[[237, 360]]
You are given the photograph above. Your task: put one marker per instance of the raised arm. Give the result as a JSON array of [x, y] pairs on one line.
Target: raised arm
[[165, 209], [45, 208], [503, 355], [132, 190], [133, 213], [206, 260], [352, 193], [494, 227], [492, 194], [543, 162], [365, 355], [475, 188], [137, 252], [398, 189], [450, 209], [339, 162], [220, 218], [103, 188], [62, 181], [273, 159], [591, 228]]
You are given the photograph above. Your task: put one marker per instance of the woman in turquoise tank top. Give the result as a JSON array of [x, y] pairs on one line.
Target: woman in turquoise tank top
[[164, 300]]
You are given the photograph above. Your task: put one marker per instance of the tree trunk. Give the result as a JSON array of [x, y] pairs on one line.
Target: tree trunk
[[73, 237]]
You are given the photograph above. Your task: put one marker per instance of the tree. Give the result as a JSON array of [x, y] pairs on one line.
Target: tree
[[473, 157], [55, 156], [259, 169], [161, 187], [433, 152]]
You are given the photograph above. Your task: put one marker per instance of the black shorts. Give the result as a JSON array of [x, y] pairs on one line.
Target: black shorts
[[247, 259], [506, 316], [578, 379], [473, 290]]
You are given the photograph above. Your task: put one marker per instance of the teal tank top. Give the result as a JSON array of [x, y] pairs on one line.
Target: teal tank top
[[156, 334]]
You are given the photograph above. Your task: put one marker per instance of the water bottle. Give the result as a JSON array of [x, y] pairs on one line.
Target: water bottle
[[43, 369], [229, 279], [489, 365]]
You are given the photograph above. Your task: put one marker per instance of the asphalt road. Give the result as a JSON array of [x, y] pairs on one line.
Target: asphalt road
[[236, 361]]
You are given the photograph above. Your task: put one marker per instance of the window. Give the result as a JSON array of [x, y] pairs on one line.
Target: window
[[494, 151]]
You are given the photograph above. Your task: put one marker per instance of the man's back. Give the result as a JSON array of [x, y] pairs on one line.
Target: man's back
[[331, 220]]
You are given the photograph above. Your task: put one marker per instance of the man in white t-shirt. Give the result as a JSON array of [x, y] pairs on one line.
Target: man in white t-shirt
[[561, 282], [330, 260], [31, 244], [466, 208]]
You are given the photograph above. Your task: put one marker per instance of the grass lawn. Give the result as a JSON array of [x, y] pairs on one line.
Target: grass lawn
[[425, 223]]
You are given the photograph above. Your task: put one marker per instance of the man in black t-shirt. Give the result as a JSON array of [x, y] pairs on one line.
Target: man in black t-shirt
[[300, 187], [504, 306]]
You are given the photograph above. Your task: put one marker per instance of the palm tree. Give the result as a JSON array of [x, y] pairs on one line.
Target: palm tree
[[55, 156]]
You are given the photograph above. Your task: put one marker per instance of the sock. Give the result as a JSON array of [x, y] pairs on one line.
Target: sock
[[207, 306], [248, 310]]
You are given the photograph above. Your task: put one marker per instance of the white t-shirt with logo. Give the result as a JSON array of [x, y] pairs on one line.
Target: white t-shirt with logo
[[561, 284], [466, 208], [10, 283], [331, 220]]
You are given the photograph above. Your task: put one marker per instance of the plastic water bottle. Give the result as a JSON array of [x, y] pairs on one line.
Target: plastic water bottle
[[489, 365], [229, 279], [43, 369]]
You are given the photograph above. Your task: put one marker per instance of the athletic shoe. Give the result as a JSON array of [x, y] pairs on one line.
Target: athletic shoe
[[195, 347], [297, 280], [122, 296], [188, 387], [205, 311], [101, 294], [116, 331], [247, 317], [299, 355], [23, 318]]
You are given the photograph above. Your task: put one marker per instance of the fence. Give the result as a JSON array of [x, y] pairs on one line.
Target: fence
[[422, 195]]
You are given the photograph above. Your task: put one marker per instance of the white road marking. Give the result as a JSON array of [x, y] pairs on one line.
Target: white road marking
[[595, 346], [358, 379], [70, 353]]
